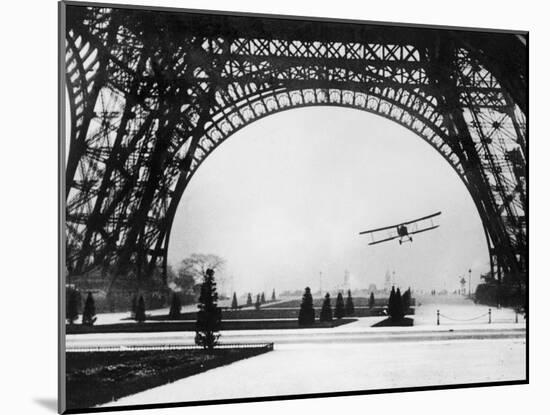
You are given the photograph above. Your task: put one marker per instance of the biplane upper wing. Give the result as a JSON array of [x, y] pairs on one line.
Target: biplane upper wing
[[401, 223], [378, 229], [422, 218], [394, 234]]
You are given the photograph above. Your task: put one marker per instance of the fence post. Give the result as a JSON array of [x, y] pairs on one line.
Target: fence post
[[438, 317], [489, 316], [516, 317]]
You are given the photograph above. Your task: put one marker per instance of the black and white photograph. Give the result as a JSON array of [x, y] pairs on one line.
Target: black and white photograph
[[258, 207]]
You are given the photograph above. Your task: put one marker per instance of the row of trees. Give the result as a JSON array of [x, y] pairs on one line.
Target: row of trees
[[306, 316], [73, 308], [398, 305], [209, 315], [89, 313], [260, 299], [508, 293]]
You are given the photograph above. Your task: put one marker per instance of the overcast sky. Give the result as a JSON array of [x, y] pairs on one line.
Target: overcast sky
[[284, 199]]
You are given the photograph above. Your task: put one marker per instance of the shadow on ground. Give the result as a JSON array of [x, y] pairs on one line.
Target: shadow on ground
[[48, 403]]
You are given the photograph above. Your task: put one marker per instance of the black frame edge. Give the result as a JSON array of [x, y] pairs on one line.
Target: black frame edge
[[290, 17]]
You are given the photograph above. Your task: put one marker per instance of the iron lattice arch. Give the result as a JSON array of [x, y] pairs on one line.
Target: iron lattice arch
[[152, 94]]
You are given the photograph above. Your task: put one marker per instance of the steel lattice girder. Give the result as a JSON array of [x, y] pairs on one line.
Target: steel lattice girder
[[151, 95]]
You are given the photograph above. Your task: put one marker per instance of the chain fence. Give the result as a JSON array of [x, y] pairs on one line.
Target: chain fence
[[488, 315], [166, 347]]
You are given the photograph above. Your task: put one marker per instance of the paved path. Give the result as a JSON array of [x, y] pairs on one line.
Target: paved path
[[303, 336], [354, 356], [326, 367], [503, 326]]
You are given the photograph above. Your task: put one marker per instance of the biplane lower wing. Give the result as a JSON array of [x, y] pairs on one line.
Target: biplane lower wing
[[384, 240], [424, 230]]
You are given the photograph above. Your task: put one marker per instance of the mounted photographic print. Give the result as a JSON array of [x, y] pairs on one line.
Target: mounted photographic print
[[264, 207]]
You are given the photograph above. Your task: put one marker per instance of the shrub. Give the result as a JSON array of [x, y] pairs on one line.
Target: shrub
[[326, 310], [395, 305], [273, 298], [133, 307], [140, 310], [371, 300], [234, 303], [262, 298], [175, 307], [306, 316], [73, 305], [88, 315], [249, 300], [494, 294], [258, 302], [399, 311], [391, 302], [350, 308], [339, 310], [406, 300], [209, 317]]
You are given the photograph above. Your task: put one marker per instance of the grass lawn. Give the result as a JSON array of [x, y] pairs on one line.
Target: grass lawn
[[318, 302], [266, 313], [95, 378], [162, 326], [404, 322]]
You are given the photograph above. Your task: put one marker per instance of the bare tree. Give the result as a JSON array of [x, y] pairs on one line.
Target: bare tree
[[192, 270]]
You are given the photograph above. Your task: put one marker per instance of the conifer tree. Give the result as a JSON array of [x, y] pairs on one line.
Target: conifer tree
[[399, 313], [88, 315], [391, 303], [326, 310], [234, 303], [258, 302], [371, 300], [339, 309], [249, 300], [262, 298], [406, 300], [175, 307], [140, 310], [306, 317], [73, 302], [209, 316], [133, 306], [273, 298], [350, 308]]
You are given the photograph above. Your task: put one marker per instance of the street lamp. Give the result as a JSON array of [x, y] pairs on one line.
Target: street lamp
[[469, 283], [462, 284]]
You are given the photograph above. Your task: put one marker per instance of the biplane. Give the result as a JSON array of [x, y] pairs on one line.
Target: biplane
[[403, 230]]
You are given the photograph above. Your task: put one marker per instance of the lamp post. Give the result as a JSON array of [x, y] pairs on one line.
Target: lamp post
[[470, 283], [462, 284]]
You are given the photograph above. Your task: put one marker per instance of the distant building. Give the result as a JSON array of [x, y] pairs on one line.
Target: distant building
[[387, 282]]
